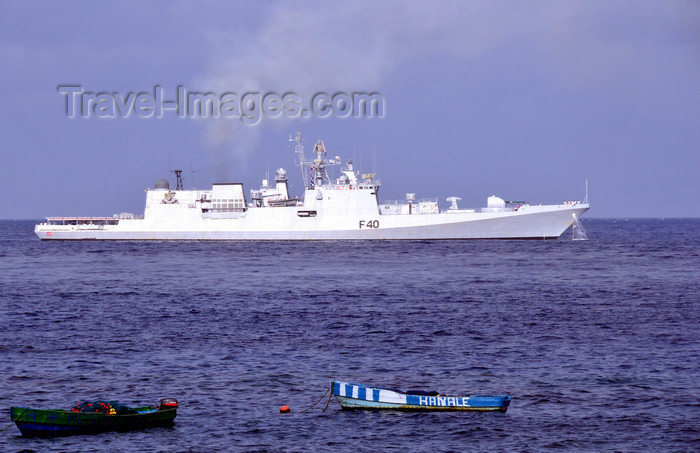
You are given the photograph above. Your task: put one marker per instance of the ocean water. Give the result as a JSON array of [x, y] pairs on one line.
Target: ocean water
[[597, 341]]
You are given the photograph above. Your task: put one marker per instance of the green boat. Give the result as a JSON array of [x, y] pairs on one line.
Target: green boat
[[92, 418]]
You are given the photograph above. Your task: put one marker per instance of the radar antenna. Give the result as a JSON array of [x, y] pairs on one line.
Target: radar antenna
[[454, 201], [319, 148]]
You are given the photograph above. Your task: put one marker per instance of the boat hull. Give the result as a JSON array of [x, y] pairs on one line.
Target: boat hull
[[58, 422], [534, 222], [356, 396]]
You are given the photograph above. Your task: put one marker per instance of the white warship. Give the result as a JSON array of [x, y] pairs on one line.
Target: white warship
[[341, 208]]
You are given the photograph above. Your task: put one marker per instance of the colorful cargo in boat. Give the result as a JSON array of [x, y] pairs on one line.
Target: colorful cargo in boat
[[60, 422]]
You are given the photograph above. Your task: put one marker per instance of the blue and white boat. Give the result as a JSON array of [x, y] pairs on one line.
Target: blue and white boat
[[357, 396]]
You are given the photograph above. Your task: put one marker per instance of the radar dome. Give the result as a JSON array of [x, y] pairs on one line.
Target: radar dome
[[495, 202], [162, 183]]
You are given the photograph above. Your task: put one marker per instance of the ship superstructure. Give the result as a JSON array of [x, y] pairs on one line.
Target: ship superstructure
[[346, 207]]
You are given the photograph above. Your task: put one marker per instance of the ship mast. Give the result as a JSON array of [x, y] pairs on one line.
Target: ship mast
[[299, 149], [317, 167], [178, 176]]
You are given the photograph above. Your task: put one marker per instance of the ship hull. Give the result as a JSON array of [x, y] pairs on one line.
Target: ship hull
[[358, 396], [285, 223]]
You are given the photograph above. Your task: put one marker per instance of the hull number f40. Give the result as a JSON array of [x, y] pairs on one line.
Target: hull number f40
[[369, 224]]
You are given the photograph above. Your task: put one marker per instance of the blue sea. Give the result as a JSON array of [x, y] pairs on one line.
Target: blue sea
[[597, 341]]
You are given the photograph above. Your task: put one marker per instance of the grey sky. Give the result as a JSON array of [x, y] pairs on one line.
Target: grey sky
[[520, 99]]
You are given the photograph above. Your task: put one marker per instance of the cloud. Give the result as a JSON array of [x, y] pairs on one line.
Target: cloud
[[347, 46], [350, 46]]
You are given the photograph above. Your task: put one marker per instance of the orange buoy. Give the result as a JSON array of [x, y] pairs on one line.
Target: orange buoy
[[285, 409]]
